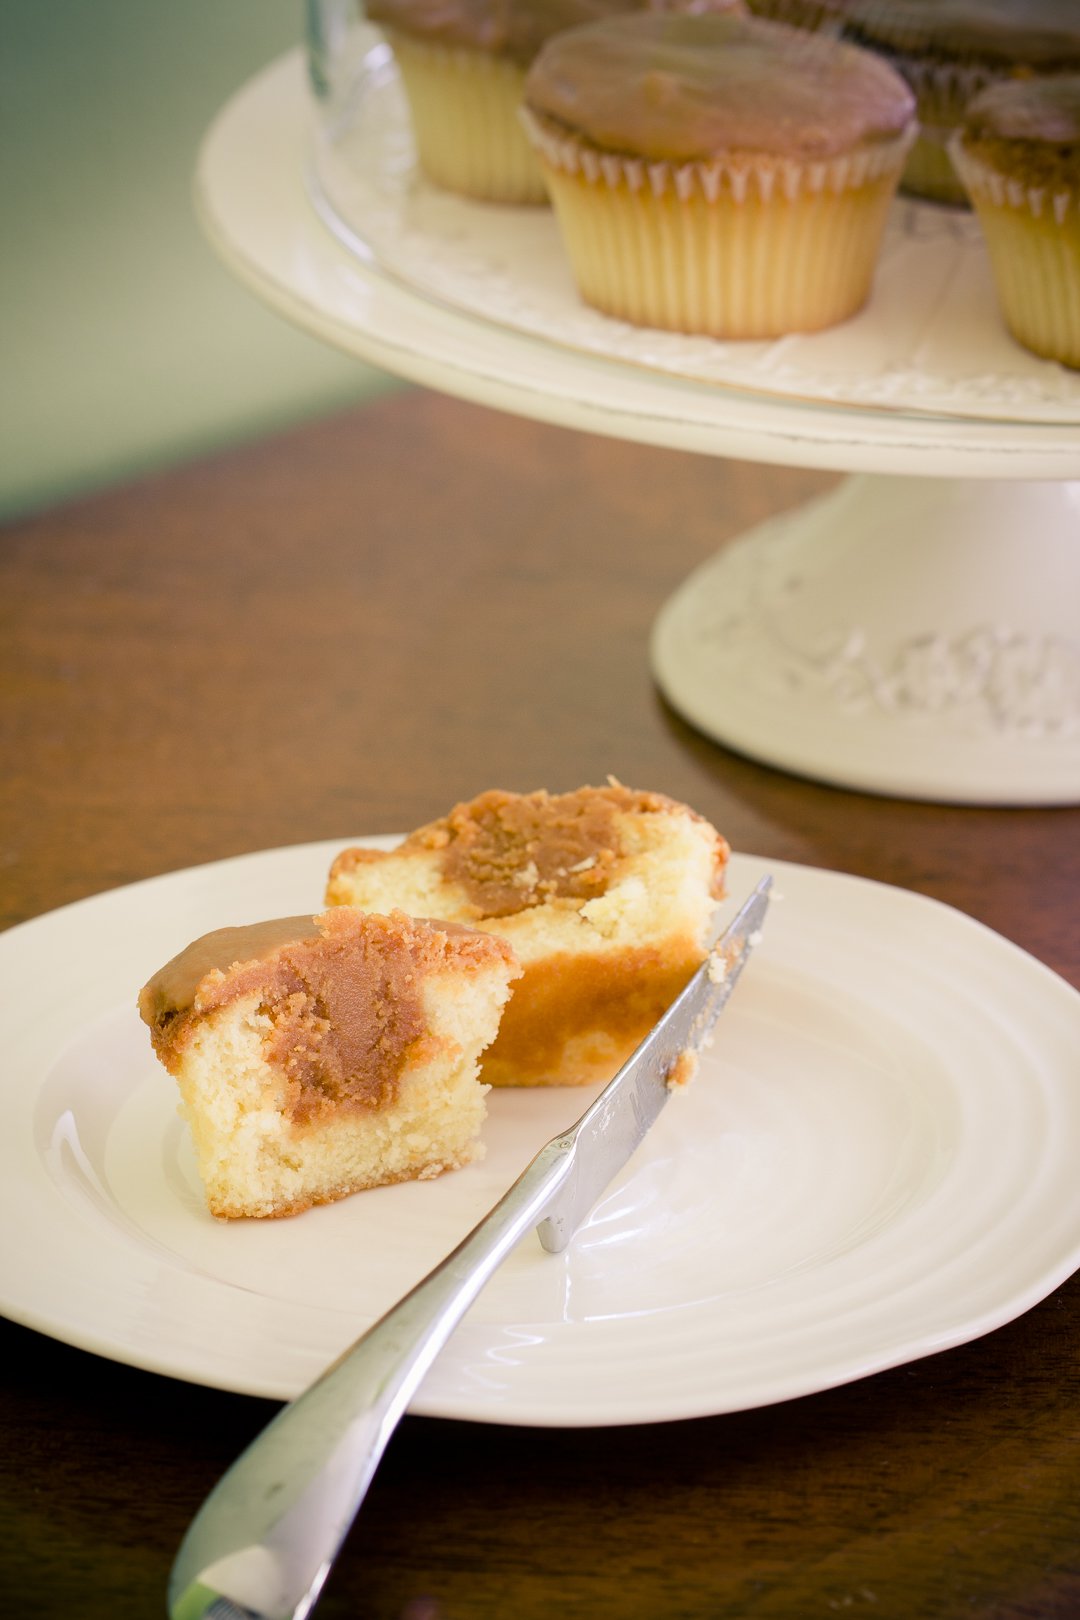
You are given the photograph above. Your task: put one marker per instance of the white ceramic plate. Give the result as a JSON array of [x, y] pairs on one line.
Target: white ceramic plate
[[876, 1160]]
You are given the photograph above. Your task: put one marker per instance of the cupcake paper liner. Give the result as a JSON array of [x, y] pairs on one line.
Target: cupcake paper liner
[[737, 173], [740, 246], [1005, 191], [942, 91], [1032, 236], [465, 109]]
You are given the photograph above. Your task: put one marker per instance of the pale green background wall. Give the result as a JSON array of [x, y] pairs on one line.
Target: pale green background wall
[[124, 345]]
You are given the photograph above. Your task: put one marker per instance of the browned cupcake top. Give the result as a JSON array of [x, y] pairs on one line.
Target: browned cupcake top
[[1001, 33], [1028, 130], [686, 88], [1042, 109], [514, 29]]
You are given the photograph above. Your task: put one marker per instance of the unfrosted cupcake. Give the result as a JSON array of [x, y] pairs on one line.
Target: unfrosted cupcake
[[950, 50], [1018, 153], [718, 175], [463, 66]]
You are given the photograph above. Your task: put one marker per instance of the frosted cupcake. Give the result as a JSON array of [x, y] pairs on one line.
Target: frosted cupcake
[[463, 66], [1018, 153], [718, 175], [800, 13], [950, 50]]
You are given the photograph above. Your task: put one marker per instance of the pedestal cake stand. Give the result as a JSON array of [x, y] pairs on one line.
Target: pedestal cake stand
[[915, 632]]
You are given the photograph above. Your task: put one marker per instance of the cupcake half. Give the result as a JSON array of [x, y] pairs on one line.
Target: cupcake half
[[718, 175], [1018, 153], [463, 66]]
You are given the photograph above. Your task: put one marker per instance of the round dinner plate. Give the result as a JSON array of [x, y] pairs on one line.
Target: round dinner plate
[[876, 1160]]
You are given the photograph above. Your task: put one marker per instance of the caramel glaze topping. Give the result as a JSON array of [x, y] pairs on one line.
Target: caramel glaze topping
[[1003, 33], [342, 993], [1028, 129], [681, 89], [515, 29], [511, 851]]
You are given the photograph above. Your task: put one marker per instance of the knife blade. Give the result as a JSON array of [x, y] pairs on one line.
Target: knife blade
[[609, 1132], [265, 1539]]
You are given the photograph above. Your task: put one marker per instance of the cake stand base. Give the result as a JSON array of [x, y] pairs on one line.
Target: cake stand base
[[917, 637]]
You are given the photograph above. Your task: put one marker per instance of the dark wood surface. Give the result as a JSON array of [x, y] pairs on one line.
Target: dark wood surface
[[344, 631]]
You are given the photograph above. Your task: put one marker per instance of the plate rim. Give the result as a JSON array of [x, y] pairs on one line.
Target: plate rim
[[67, 1329]]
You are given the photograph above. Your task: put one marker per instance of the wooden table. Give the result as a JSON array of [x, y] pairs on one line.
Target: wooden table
[[344, 631]]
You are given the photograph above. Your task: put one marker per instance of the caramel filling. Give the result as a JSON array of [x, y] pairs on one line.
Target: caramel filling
[[342, 996], [512, 851]]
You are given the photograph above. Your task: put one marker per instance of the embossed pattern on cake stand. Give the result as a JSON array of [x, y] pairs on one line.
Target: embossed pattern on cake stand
[[884, 638], [915, 633]]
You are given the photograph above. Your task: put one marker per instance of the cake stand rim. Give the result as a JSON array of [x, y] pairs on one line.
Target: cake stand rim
[[258, 215]]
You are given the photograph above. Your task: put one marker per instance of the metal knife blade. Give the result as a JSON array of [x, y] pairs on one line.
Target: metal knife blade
[[608, 1133], [264, 1540]]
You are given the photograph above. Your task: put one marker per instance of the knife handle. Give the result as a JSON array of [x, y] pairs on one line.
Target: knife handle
[[264, 1540]]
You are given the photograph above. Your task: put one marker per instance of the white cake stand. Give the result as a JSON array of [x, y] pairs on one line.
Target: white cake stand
[[916, 632]]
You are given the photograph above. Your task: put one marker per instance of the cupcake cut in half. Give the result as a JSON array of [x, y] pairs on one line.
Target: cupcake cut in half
[[463, 66], [606, 895], [719, 175], [319, 1056], [1018, 152]]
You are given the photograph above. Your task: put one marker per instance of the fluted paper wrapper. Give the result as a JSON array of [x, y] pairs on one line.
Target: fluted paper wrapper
[[942, 91], [1032, 236], [465, 109], [741, 246]]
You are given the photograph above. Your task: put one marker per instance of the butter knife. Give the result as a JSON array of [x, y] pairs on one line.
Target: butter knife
[[264, 1540]]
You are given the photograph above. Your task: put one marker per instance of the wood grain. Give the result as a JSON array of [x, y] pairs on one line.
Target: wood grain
[[342, 631]]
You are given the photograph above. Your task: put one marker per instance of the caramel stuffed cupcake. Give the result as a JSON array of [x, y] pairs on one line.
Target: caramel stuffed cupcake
[[463, 66], [1018, 153], [718, 175]]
